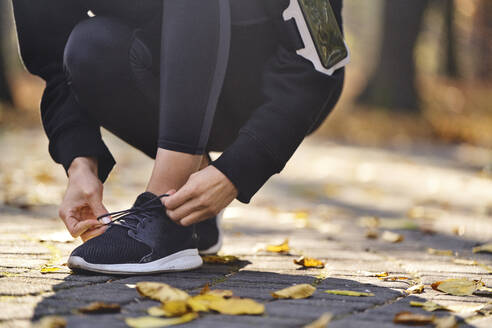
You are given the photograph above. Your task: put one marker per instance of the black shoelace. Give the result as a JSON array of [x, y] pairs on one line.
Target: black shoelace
[[128, 219]]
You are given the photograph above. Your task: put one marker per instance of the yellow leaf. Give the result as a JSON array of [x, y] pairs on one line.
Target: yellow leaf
[[394, 278], [348, 293], [308, 262], [427, 306], [49, 269], [161, 292], [295, 292], [302, 215], [392, 237], [218, 259], [218, 292], [51, 322], [416, 289], [156, 311], [153, 322], [282, 248], [409, 318], [201, 303], [175, 308], [236, 306], [100, 307], [457, 287], [440, 252], [381, 274], [321, 322], [487, 248], [458, 307]]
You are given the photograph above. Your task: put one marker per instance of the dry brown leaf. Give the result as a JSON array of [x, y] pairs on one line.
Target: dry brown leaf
[[295, 292], [394, 278], [440, 252], [321, 322], [236, 306], [100, 308], [487, 248], [372, 234], [309, 262], [392, 237], [153, 322], [457, 286], [348, 293], [409, 318], [161, 292], [220, 259], [51, 322], [416, 289], [281, 248]]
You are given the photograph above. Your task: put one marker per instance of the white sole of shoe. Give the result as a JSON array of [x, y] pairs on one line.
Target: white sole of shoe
[[180, 261], [215, 248]]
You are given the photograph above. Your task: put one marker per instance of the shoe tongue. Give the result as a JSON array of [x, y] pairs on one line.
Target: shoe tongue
[[146, 197]]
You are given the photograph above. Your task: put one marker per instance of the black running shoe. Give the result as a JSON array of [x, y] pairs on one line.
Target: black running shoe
[[142, 240], [209, 235]]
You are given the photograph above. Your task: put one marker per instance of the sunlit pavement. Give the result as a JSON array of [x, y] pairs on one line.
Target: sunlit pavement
[[327, 201]]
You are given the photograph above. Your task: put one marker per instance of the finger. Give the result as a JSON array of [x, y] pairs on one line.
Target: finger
[[92, 233], [196, 217], [184, 210], [179, 198], [77, 227], [97, 207]]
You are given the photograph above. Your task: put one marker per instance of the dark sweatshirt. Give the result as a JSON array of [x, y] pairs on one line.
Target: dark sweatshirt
[[296, 97]]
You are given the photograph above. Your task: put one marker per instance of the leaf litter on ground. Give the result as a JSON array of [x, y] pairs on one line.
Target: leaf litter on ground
[[348, 293], [440, 252], [100, 308], [282, 248], [487, 248], [309, 262], [456, 307], [295, 292], [220, 259], [321, 322], [457, 286], [154, 322], [392, 237]]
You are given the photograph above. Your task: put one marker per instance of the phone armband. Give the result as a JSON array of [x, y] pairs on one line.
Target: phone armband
[[324, 44]]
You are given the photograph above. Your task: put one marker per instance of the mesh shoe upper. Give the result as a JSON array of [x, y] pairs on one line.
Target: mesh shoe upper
[[143, 236]]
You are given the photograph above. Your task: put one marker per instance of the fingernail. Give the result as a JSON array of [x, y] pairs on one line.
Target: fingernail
[[106, 220]]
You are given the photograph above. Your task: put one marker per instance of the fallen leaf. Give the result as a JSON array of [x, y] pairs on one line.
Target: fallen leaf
[[427, 306], [201, 303], [372, 234], [51, 322], [218, 292], [445, 322], [348, 293], [220, 259], [156, 311], [308, 262], [487, 248], [457, 287], [392, 237], [465, 262], [416, 289], [440, 252], [409, 318], [235, 306], [161, 292], [153, 322], [295, 292], [461, 308], [394, 278], [321, 322], [282, 248], [175, 308], [100, 308], [370, 222], [50, 269], [381, 274]]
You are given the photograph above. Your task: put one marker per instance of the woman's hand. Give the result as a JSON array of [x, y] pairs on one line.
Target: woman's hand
[[82, 203], [203, 196]]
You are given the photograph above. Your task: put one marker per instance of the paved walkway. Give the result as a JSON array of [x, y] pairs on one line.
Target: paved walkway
[[324, 202]]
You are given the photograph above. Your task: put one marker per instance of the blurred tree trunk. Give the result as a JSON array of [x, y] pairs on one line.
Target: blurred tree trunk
[[482, 37], [5, 23], [393, 85], [450, 66]]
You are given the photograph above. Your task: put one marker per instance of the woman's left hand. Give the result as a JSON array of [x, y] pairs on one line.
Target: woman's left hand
[[204, 195]]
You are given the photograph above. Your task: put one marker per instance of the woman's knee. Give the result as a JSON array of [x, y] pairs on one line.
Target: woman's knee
[[97, 50]]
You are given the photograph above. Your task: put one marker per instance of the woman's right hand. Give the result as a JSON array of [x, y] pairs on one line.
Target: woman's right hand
[[82, 203]]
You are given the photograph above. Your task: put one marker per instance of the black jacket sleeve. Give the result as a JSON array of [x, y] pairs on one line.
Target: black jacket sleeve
[[296, 95], [43, 28]]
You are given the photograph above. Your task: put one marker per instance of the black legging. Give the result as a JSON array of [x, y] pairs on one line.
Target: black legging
[[114, 65]]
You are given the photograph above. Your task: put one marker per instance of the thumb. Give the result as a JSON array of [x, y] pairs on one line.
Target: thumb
[[98, 209]]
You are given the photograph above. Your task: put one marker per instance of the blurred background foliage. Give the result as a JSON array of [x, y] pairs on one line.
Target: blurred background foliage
[[421, 70]]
